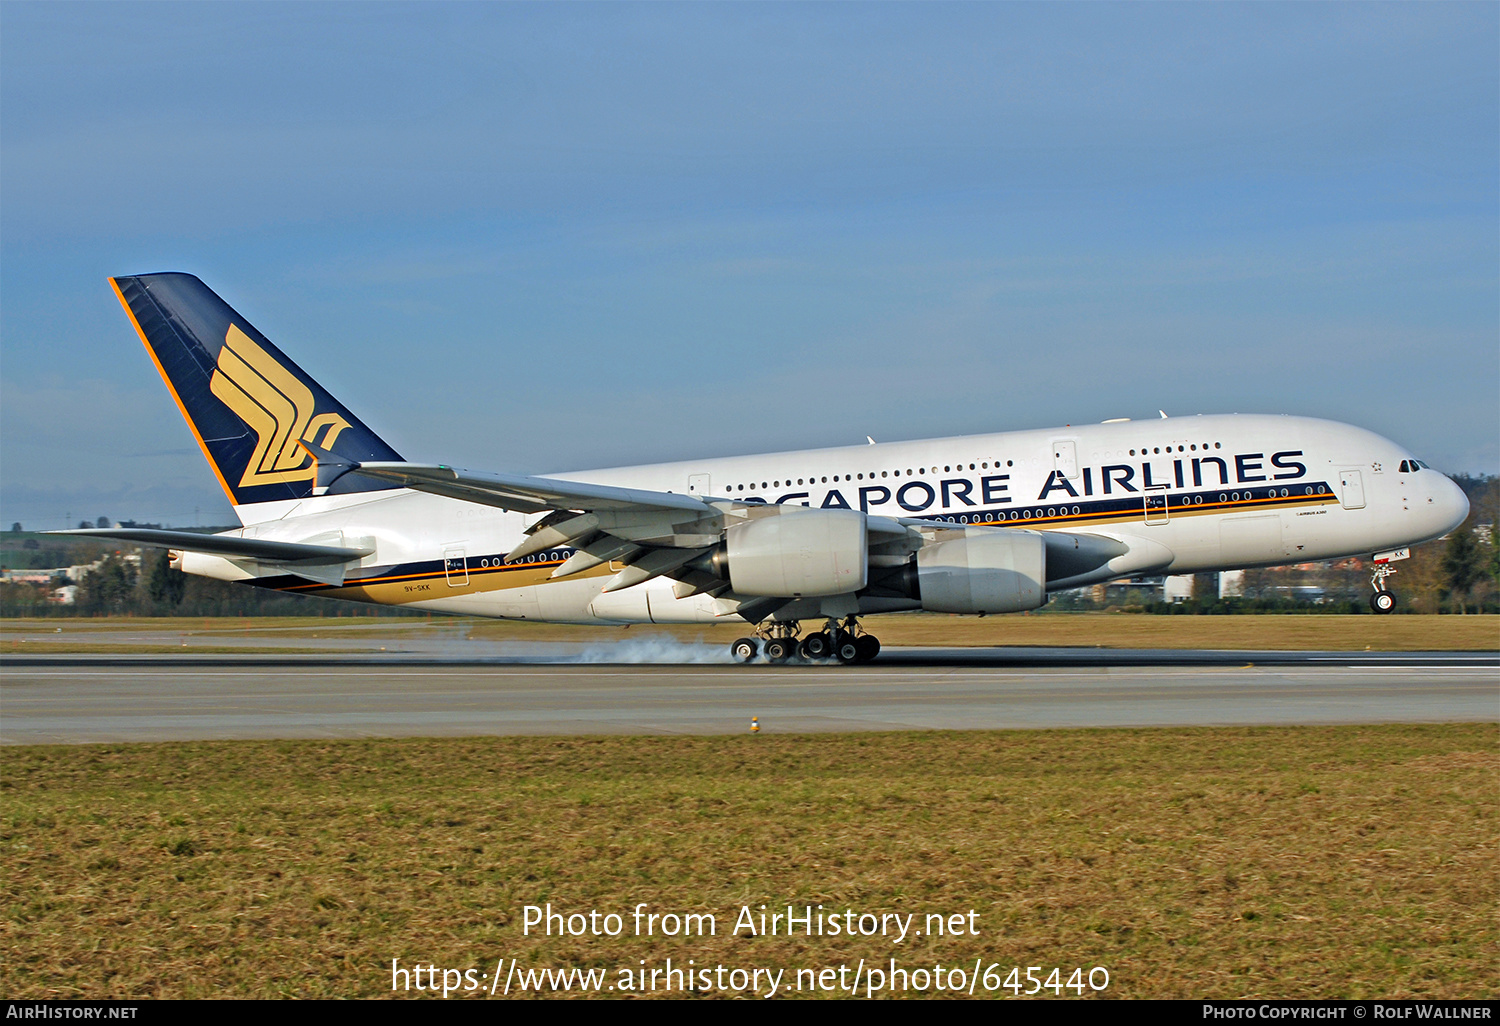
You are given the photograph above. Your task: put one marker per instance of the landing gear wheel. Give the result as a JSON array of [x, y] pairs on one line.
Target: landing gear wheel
[[817, 646], [868, 646], [1383, 601], [779, 650], [846, 648], [744, 650]]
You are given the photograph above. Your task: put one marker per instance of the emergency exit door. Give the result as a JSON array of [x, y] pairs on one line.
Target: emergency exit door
[[456, 567], [1065, 458], [1351, 489], [1156, 504]]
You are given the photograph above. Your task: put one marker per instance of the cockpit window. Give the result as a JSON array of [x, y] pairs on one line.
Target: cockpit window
[[1412, 466], [1405, 466]]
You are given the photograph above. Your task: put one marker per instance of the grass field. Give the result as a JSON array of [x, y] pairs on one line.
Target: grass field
[[1344, 633], [1291, 862]]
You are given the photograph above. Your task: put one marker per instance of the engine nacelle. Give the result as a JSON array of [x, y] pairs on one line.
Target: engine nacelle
[[983, 571], [798, 552], [202, 564]]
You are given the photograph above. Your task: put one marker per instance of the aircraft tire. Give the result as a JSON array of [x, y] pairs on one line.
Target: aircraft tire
[[816, 646], [846, 649], [869, 647], [779, 650], [1383, 601], [744, 649]]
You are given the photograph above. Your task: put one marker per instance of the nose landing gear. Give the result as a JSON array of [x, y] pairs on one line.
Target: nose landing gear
[[1382, 601]]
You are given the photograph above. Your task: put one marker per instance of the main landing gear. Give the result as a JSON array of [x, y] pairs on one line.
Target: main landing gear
[[847, 642], [1382, 601]]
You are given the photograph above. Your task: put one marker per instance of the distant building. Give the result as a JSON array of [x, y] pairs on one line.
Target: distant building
[[34, 576], [78, 573], [1232, 584], [64, 580], [1136, 591], [1177, 588]]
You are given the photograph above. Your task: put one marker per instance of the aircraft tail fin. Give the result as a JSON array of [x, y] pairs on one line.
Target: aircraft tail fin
[[250, 407]]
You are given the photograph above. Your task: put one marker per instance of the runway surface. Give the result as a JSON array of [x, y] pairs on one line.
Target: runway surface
[[567, 689]]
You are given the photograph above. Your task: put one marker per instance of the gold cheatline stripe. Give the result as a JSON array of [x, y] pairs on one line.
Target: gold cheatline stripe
[[430, 575]]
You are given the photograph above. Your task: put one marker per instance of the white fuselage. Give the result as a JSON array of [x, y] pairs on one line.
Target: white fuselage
[[1185, 494]]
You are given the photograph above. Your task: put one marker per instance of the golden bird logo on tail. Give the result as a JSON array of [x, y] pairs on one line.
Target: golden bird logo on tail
[[278, 407]]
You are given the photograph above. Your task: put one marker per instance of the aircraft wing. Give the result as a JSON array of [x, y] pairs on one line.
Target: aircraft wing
[[668, 534], [525, 494], [227, 545]]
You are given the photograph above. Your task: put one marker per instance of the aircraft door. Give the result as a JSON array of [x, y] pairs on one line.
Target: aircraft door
[[1351, 489], [1065, 458], [456, 567], [1156, 504], [698, 484]]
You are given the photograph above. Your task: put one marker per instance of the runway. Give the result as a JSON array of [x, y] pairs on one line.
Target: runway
[[561, 690]]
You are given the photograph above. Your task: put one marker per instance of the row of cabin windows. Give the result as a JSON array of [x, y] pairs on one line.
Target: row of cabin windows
[[871, 476], [947, 469], [1157, 450]]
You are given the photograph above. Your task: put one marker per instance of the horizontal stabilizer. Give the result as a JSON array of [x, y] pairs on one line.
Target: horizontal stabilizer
[[233, 546]]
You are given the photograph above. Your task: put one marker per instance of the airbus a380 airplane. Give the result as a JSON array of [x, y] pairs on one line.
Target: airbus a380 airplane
[[975, 524]]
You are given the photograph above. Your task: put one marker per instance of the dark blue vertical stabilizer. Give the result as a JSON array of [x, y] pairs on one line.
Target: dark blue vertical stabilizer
[[250, 407]]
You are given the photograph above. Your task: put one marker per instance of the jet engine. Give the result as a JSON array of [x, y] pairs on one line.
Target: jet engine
[[795, 552], [982, 570]]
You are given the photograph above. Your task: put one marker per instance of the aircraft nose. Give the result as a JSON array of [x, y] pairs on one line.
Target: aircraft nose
[[1449, 503]]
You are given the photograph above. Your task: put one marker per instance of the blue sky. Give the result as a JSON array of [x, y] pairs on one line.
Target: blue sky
[[549, 237]]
